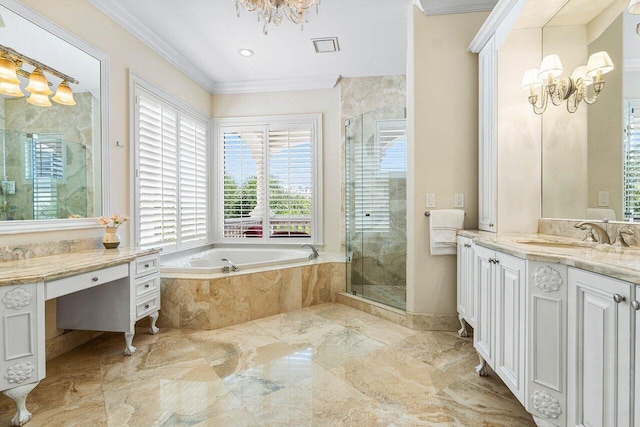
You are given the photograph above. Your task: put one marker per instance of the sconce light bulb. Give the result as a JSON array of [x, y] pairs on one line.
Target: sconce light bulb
[[64, 94], [39, 100], [8, 70], [38, 83], [11, 89]]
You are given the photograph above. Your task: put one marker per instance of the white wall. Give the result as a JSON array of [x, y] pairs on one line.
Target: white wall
[[442, 145], [125, 52], [325, 101]]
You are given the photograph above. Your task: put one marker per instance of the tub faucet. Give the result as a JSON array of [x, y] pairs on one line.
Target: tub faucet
[[315, 253], [603, 236], [230, 267]]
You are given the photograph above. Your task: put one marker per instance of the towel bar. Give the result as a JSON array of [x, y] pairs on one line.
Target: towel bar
[[428, 214]]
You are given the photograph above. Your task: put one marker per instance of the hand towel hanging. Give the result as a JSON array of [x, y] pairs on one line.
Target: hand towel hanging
[[443, 228]]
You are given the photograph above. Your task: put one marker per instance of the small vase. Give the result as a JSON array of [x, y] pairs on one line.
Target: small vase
[[111, 238]]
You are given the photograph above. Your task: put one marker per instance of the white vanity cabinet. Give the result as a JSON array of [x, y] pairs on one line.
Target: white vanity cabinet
[[21, 331], [487, 142], [600, 350], [547, 292], [635, 305], [499, 336], [465, 284]]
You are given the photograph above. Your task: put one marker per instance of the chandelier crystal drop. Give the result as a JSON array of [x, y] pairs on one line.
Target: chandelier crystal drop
[[296, 11]]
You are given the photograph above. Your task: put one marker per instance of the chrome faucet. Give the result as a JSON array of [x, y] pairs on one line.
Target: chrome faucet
[[315, 253], [603, 236], [231, 266]]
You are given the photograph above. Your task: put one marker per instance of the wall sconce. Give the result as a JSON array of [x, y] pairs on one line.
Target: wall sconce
[[11, 66], [572, 89], [634, 7]]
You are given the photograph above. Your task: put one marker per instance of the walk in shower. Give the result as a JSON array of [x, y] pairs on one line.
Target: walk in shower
[[375, 206]]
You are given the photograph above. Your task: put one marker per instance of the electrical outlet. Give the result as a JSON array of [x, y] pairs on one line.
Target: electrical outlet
[[431, 200], [458, 200], [603, 198]]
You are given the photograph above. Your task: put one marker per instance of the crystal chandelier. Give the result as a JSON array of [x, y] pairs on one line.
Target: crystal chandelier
[[297, 11]]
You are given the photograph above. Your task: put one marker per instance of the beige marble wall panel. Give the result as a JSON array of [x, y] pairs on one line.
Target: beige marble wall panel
[[432, 322], [221, 302], [230, 301], [35, 250]]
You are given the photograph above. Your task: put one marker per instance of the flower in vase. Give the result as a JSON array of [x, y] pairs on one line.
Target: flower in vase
[[114, 221]]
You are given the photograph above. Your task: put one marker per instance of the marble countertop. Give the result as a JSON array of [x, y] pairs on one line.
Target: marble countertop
[[617, 262], [48, 268]]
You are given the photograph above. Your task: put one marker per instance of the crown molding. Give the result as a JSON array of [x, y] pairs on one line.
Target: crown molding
[[440, 7], [131, 24], [498, 17], [279, 85]]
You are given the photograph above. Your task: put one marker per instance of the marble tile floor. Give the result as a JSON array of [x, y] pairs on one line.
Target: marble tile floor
[[327, 365]]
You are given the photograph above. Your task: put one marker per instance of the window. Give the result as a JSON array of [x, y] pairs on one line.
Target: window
[[44, 160], [377, 163], [632, 160], [269, 179], [171, 174]]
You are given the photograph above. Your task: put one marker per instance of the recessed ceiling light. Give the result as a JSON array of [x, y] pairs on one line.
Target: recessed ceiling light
[[245, 52]]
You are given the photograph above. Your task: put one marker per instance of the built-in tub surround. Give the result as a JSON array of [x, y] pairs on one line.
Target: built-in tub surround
[[215, 300]]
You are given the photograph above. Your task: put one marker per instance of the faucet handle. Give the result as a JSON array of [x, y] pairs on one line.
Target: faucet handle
[[619, 240]]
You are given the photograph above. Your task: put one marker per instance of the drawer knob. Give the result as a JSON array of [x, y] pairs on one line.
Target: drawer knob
[[635, 305], [146, 266], [146, 286], [619, 298], [95, 279], [146, 306]]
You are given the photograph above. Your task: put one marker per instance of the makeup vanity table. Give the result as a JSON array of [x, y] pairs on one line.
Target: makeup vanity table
[[96, 290]]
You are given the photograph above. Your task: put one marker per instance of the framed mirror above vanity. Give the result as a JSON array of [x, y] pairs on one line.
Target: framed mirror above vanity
[[591, 157], [53, 143]]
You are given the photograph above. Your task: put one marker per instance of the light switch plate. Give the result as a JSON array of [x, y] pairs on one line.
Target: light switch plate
[[458, 200], [431, 200], [603, 198]]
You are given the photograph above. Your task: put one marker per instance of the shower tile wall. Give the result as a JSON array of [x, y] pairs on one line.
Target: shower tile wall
[[76, 124], [360, 95]]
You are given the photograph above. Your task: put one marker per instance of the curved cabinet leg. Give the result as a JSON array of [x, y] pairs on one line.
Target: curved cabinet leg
[[128, 339], [462, 331], [153, 329], [481, 369], [19, 396]]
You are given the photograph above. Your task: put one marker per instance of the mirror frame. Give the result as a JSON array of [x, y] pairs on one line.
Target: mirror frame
[[31, 226]]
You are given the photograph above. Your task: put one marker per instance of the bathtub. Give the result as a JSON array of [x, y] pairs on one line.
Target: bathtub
[[210, 260]]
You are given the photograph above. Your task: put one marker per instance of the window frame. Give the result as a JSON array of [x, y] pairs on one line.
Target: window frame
[[217, 208], [136, 84]]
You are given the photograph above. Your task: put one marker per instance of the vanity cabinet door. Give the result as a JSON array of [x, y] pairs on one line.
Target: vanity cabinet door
[[483, 332], [21, 330], [636, 391], [599, 351], [509, 303], [487, 149], [465, 291]]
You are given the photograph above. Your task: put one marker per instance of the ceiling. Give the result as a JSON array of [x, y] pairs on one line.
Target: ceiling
[[202, 38]]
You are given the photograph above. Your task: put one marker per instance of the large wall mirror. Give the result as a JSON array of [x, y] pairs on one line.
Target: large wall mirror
[[591, 158], [52, 148]]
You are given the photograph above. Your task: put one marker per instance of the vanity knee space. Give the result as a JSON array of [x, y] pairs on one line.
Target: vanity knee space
[[561, 338]]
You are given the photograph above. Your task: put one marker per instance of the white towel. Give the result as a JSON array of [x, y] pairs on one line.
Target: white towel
[[443, 228]]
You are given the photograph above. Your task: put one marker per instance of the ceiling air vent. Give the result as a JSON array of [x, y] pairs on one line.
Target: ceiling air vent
[[326, 45]]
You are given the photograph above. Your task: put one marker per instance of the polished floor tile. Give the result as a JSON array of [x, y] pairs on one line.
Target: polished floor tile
[[326, 365]]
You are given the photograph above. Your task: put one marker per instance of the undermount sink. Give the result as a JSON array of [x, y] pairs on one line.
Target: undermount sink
[[556, 243]]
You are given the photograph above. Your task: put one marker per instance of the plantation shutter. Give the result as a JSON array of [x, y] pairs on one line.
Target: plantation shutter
[[377, 160], [158, 172], [243, 191], [290, 180], [632, 161], [193, 180], [44, 166]]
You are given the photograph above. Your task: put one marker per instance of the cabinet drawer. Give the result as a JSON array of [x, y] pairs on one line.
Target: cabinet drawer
[[147, 285], [88, 280], [146, 265], [148, 305]]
